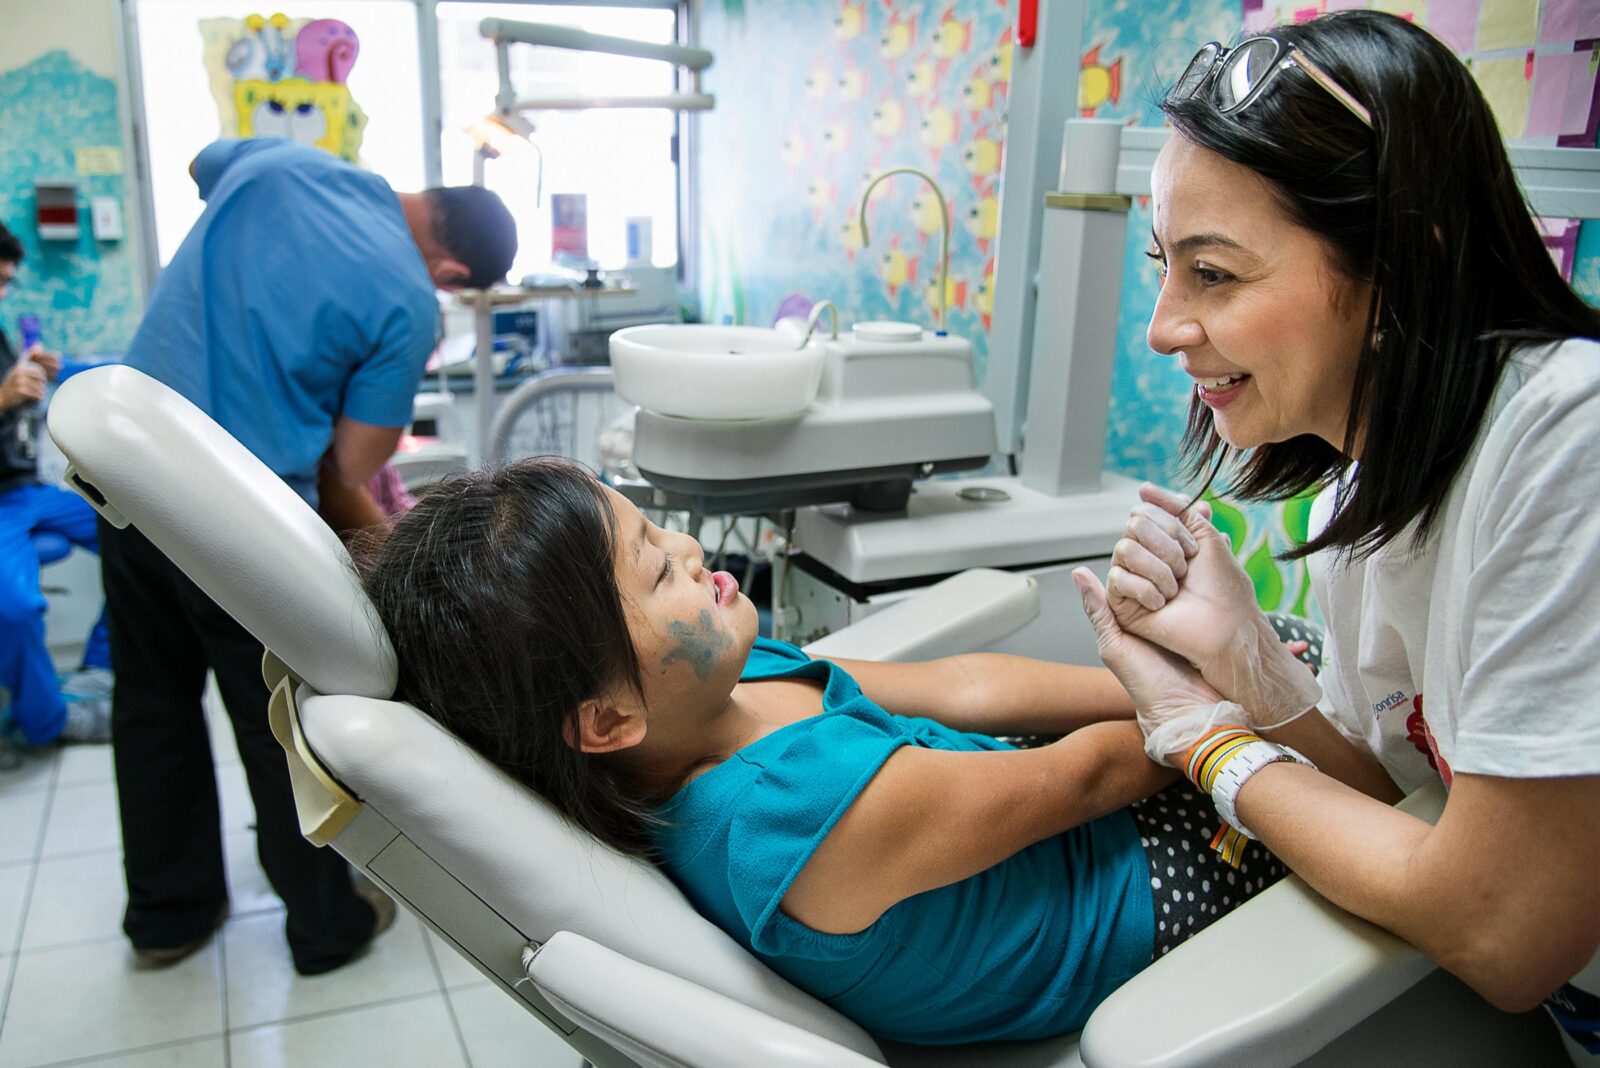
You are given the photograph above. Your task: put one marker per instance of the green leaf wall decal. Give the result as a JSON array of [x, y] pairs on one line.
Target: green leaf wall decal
[[1228, 519], [1263, 572]]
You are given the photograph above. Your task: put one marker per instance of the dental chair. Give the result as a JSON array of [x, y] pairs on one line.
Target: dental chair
[[603, 948]]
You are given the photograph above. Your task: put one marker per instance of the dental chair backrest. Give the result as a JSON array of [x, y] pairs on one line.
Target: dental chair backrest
[[143, 454]]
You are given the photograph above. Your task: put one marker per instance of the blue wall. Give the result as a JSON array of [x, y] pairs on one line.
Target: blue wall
[[82, 291], [811, 97]]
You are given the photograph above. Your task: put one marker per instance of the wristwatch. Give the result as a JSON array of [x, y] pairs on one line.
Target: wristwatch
[[1245, 762]]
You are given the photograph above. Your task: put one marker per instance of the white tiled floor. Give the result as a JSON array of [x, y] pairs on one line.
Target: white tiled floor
[[69, 996]]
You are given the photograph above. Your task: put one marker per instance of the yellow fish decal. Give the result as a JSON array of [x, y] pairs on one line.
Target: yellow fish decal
[[983, 220], [852, 84], [938, 128], [850, 236], [897, 38], [982, 157], [955, 294], [951, 38], [836, 138], [1000, 60], [925, 214], [888, 118], [817, 83], [976, 95], [848, 22], [983, 299], [1098, 84], [919, 82], [897, 269]]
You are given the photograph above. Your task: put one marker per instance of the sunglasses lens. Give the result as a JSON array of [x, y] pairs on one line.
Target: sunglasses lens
[[1194, 74], [1247, 66]]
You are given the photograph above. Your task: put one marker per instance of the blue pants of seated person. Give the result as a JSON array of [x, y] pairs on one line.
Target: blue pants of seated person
[[26, 670]]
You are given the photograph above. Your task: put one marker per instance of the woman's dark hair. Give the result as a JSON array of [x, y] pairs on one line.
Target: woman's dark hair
[[499, 593], [1425, 207]]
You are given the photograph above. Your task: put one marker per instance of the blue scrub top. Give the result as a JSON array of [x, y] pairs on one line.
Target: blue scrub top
[[1023, 950], [299, 296]]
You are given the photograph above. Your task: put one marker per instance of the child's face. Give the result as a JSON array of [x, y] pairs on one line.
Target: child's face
[[692, 629]]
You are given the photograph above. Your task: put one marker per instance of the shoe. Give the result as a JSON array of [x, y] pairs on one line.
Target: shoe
[[149, 960], [384, 911], [383, 906], [88, 720], [88, 682], [11, 758]]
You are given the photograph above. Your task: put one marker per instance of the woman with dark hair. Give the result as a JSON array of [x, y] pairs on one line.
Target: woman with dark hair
[[1350, 274], [855, 825]]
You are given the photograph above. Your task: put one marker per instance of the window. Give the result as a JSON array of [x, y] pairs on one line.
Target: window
[[182, 114], [620, 159]]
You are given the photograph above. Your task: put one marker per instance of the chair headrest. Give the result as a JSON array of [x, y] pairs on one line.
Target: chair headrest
[[142, 454]]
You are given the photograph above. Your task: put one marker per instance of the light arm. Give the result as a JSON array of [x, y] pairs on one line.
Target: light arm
[[933, 817], [991, 693]]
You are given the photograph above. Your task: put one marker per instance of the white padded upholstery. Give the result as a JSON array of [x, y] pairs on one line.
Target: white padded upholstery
[[531, 866], [226, 520]]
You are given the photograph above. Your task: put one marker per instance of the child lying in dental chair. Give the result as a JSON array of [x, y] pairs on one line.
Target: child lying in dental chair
[[855, 825]]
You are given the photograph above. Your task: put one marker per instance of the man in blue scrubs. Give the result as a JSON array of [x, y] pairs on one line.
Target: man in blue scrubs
[[33, 704], [298, 313]]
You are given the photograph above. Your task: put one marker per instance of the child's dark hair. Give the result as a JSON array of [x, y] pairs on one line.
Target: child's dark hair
[[499, 593]]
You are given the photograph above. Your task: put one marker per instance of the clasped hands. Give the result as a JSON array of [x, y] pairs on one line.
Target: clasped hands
[[1178, 624]]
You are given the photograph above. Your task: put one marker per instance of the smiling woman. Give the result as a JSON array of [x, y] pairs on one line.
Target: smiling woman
[[1353, 283], [1251, 303]]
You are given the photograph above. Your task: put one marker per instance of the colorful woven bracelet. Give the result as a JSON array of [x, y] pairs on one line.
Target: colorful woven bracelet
[[1202, 764]]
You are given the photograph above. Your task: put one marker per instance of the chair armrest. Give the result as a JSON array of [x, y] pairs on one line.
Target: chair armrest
[[965, 612], [662, 1021], [1269, 984]]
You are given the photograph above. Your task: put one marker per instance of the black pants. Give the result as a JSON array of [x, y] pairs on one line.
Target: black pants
[[165, 633]]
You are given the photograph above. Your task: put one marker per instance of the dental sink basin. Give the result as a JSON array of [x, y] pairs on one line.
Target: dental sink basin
[[716, 372]]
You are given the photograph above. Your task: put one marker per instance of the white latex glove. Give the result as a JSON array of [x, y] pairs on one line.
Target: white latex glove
[[1199, 603], [1175, 706]]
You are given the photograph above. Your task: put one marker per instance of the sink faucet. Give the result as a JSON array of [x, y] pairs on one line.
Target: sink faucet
[[944, 232]]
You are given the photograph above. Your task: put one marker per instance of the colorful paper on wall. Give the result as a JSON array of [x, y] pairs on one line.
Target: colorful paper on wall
[[1414, 10], [1566, 21], [1507, 24], [281, 77], [98, 159], [1580, 99], [1506, 85], [1455, 22]]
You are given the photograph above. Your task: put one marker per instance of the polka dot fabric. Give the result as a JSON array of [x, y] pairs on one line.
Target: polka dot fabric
[[1190, 884]]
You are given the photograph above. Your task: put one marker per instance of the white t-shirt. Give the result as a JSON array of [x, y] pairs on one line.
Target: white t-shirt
[[1480, 651]]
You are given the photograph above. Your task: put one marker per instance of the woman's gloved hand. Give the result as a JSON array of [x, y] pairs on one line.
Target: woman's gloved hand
[[1174, 704], [1174, 581]]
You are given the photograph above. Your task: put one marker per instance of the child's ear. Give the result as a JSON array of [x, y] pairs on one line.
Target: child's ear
[[600, 726]]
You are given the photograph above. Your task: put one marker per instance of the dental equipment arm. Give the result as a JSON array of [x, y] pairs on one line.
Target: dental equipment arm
[[505, 33]]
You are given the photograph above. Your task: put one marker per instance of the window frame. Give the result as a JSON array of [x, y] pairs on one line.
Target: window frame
[[136, 123]]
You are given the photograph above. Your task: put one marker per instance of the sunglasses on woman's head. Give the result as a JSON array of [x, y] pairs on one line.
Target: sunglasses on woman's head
[[1236, 77]]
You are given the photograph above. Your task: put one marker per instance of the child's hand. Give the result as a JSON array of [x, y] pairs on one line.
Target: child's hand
[[1208, 613], [1175, 706]]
